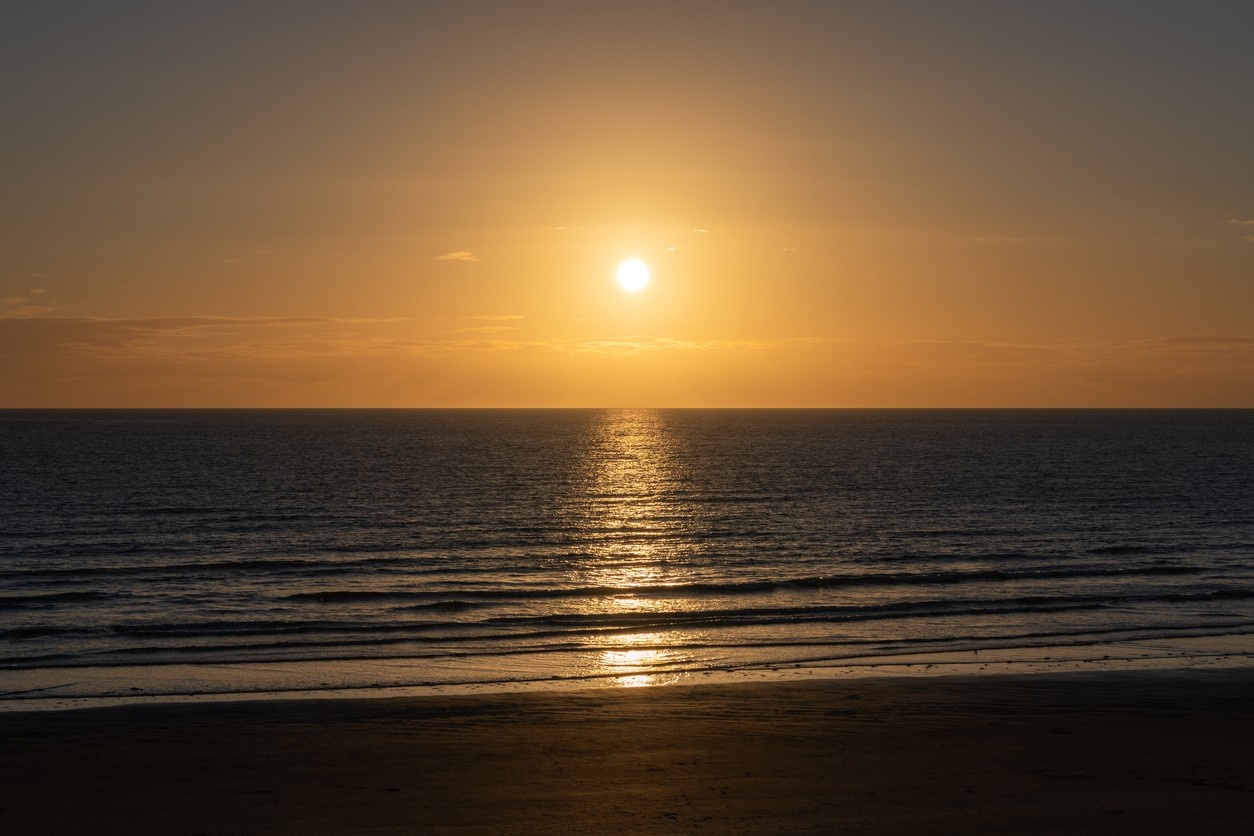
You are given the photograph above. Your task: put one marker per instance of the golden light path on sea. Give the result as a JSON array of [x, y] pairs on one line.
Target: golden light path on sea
[[638, 532]]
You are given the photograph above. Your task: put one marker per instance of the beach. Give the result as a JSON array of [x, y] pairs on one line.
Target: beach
[[1115, 752]]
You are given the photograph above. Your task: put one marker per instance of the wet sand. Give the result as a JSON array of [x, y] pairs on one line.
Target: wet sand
[[1127, 752]]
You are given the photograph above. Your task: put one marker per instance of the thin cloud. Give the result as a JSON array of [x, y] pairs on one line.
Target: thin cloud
[[1244, 222], [487, 329], [1018, 239], [102, 333], [1231, 346], [619, 347], [645, 345], [26, 312], [457, 255], [19, 307], [114, 354]]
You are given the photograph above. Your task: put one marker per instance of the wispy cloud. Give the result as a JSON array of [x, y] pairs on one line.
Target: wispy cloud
[[626, 346], [612, 347], [192, 359], [1201, 344], [1018, 239], [170, 335], [22, 306], [1246, 223], [457, 255], [495, 324], [646, 345], [487, 329]]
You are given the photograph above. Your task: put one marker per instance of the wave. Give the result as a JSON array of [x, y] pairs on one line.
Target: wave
[[389, 647], [412, 565], [1122, 549], [39, 632], [18, 602], [516, 627], [748, 587]]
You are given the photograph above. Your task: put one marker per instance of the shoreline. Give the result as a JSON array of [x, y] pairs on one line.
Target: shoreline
[[144, 685], [1105, 752]]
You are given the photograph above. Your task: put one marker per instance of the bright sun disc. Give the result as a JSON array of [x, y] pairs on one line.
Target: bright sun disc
[[633, 275]]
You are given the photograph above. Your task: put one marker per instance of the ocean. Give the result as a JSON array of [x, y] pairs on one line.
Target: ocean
[[250, 551]]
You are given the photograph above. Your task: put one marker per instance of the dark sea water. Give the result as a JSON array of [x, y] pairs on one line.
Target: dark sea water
[[240, 550]]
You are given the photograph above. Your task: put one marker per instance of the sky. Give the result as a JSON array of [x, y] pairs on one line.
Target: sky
[[843, 204]]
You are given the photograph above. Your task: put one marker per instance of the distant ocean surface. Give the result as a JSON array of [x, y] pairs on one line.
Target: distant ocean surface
[[264, 550]]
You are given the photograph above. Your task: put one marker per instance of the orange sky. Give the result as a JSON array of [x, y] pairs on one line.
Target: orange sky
[[423, 204]]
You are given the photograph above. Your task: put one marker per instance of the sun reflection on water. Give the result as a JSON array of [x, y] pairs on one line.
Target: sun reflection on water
[[640, 666], [637, 530]]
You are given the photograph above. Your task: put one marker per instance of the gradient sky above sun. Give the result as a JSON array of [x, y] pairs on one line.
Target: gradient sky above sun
[[425, 204]]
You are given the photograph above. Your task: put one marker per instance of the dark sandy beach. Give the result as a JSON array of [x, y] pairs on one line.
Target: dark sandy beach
[[1147, 752]]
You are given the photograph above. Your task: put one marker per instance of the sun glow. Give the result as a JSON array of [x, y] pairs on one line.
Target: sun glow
[[633, 275]]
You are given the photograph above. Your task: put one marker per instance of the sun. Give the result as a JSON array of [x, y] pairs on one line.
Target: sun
[[633, 275]]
